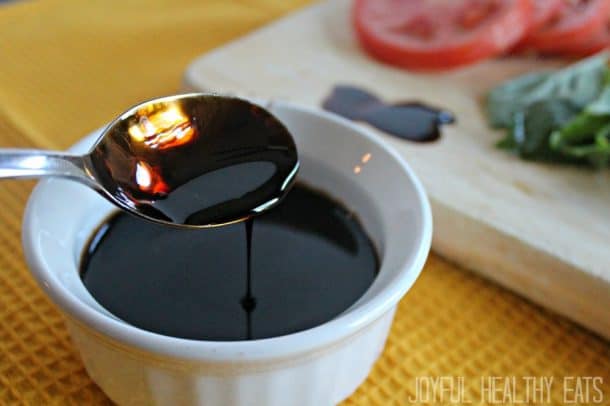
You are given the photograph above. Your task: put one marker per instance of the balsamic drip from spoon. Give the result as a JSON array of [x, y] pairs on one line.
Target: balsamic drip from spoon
[[248, 302]]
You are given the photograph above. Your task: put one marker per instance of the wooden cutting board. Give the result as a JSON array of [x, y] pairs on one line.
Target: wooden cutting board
[[541, 230]]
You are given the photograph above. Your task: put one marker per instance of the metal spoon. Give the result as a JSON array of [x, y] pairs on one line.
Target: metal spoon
[[191, 160]]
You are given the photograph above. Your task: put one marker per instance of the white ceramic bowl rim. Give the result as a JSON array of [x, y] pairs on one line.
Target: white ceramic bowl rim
[[291, 345]]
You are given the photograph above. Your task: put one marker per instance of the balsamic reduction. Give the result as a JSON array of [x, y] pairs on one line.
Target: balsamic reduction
[[309, 260], [196, 160], [413, 121]]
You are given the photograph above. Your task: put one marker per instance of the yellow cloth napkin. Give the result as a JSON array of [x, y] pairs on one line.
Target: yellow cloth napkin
[[68, 66]]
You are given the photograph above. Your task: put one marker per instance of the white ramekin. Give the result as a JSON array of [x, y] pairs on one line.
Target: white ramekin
[[319, 366]]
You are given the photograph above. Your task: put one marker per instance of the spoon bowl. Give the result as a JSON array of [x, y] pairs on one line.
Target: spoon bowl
[[192, 160]]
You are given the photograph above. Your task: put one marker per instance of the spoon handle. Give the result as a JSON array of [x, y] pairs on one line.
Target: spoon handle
[[31, 163]]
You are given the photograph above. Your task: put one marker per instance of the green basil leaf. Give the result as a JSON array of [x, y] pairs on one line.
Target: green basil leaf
[[594, 149], [601, 105], [580, 130], [581, 83], [532, 128]]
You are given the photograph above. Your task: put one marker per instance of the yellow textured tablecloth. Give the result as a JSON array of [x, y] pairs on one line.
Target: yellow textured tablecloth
[[67, 67]]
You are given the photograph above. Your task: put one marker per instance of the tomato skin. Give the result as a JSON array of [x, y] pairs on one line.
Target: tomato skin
[[569, 33], [591, 46], [543, 12], [488, 41]]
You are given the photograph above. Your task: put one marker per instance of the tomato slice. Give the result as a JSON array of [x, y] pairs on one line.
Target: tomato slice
[[544, 12], [593, 45], [439, 34], [577, 22]]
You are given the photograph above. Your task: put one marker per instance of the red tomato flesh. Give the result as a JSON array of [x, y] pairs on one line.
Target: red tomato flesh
[[544, 11], [597, 43], [577, 22], [439, 34]]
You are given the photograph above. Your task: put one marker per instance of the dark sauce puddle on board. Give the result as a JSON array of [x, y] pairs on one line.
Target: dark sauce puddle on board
[[413, 121], [302, 264]]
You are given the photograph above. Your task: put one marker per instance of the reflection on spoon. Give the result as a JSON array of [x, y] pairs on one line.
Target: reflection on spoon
[[195, 160]]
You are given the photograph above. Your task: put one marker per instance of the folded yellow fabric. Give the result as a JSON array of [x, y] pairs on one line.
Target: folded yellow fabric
[[68, 66]]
